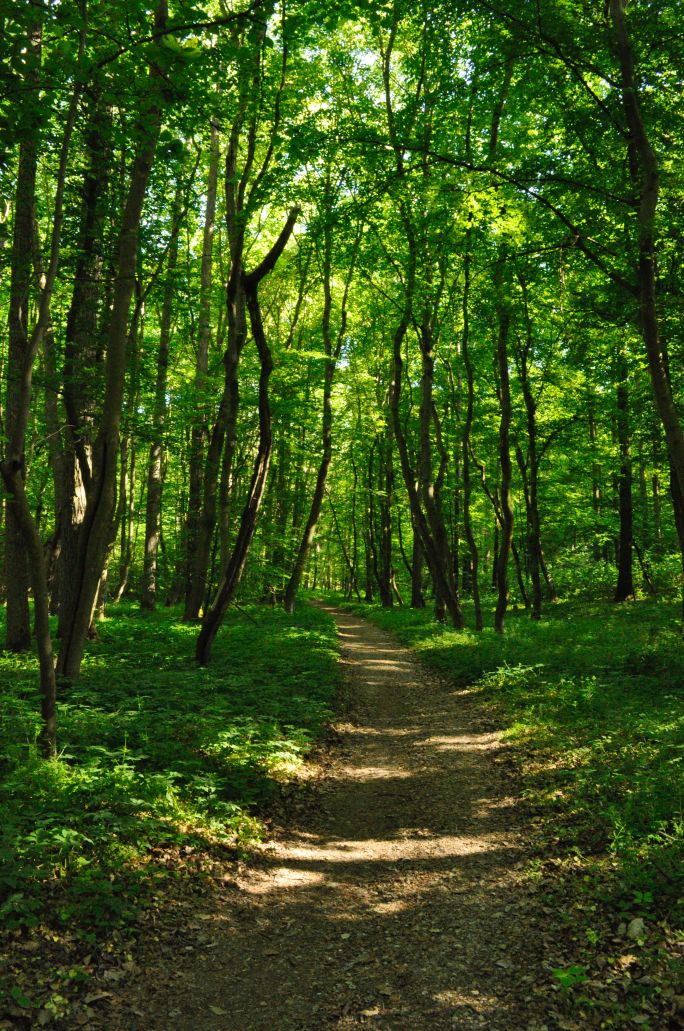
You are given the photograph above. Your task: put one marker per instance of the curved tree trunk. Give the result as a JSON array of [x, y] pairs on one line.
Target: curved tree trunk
[[20, 378], [230, 577]]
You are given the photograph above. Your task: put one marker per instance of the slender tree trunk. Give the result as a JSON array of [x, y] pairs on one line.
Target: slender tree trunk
[[506, 536], [368, 565], [658, 543], [199, 430], [224, 433], [81, 357], [467, 429], [125, 515], [625, 582], [230, 578], [153, 506], [332, 352], [233, 572], [417, 595], [519, 575], [437, 570], [353, 585], [648, 249], [18, 628], [385, 492]]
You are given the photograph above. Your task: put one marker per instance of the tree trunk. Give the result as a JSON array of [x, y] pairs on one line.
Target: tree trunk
[[20, 372], [81, 357], [18, 629], [646, 271], [467, 429], [625, 582], [385, 491], [125, 515], [230, 578], [155, 461], [332, 353], [96, 531], [199, 432], [506, 505]]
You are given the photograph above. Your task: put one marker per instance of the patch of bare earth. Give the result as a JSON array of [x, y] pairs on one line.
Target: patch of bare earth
[[394, 898]]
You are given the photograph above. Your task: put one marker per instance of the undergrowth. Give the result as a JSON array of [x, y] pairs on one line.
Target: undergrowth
[[154, 754]]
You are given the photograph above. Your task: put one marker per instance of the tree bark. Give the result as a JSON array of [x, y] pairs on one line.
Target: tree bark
[[199, 432], [96, 530], [18, 629], [230, 578], [506, 505], [465, 443], [155, 461], [649, 194], [20, 375], [625, 582], [332, 353]]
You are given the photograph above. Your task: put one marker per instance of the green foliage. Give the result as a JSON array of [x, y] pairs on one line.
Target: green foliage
[[156, 753]]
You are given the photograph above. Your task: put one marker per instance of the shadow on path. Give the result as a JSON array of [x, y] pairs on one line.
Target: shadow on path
[[394, 900]]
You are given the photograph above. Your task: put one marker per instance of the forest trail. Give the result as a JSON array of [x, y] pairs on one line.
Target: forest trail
[[392, 899]]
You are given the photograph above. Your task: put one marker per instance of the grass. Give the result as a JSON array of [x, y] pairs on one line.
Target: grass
[[155, 754]]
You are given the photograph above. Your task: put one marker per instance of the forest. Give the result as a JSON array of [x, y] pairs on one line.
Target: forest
[[362, 317]]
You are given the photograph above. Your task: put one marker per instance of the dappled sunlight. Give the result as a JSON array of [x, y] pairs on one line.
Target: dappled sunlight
[[285, 877], [390, 908], [462, 743], [381, 773], [388, 664], [389, 850]]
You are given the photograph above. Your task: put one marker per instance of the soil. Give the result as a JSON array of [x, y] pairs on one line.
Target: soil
[[394, 894]]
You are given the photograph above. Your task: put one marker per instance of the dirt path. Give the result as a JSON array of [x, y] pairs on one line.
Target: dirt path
[[398, 903]]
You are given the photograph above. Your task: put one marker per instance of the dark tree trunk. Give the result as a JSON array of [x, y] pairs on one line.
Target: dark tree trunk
[[332, 352], [81, 360], [24, 351], [506, 536], [231, 576], [153, 507], [649, 193], [199, 432], [125, 515], [625, 582], [18, 628], [96, 531], [467, 429], [385, 492]]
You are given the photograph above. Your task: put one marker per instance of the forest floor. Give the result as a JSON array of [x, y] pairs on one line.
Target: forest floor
[[489, 834], [394, 894]]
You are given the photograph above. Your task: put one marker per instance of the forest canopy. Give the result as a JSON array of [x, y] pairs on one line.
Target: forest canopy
[[376, 297]]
